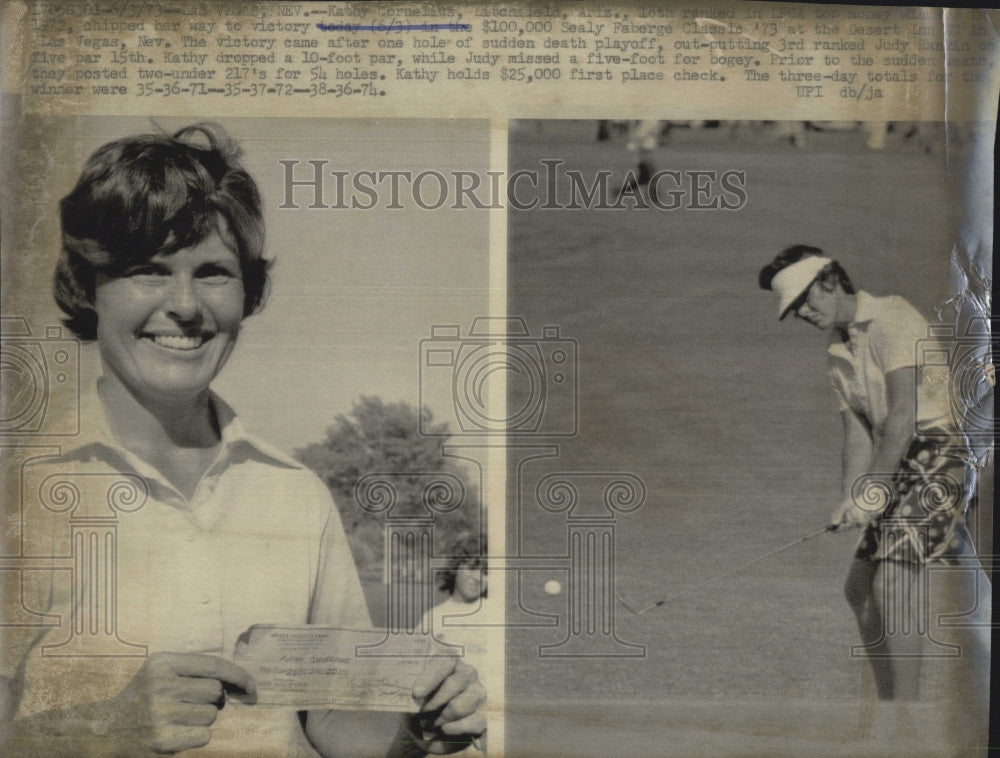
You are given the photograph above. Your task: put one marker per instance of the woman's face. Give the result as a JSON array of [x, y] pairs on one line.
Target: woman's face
[[165, 328], [470, 582], [820, 307]]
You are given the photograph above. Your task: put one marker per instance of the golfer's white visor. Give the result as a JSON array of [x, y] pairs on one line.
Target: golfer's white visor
[[792, 281]]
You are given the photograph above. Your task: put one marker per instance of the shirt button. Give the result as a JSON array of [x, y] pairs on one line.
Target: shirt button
[[204, 598]]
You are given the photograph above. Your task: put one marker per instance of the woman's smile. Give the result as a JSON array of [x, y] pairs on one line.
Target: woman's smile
[[177, 341], [167, 327]]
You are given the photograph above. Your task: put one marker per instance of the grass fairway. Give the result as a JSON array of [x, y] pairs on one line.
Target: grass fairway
[[688, 380]]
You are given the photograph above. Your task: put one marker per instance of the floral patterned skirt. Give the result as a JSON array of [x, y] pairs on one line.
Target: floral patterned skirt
[[926, 499]]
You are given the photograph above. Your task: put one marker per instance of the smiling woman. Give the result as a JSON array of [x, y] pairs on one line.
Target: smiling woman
[[166, 328], [162, 259]]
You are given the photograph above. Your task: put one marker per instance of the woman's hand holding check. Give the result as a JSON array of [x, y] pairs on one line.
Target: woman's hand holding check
[[451, 698], [174, 699]]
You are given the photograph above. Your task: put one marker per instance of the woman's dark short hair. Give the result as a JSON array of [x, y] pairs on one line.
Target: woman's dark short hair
[[151, 194], [831, 273], [470, 552]]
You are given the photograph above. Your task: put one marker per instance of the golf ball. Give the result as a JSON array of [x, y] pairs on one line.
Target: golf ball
[[553, 587]]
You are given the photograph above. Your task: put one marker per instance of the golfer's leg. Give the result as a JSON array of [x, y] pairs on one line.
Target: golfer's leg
[[961, 685], [897, 588], [858, 588]]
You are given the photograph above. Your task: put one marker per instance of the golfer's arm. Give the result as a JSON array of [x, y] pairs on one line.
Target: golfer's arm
[[856, 458], [359, 733], [900, 426]]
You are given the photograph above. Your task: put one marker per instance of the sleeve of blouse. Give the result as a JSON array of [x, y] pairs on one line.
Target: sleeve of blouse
[[838, 391], [338, 599], [897, 336]]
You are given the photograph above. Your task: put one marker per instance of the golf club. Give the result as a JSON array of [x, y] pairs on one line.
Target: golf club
[[658, 603]]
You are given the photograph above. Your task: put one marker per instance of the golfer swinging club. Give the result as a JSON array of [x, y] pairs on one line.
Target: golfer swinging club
[[916, 450]]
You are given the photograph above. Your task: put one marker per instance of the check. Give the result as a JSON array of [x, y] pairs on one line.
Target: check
[[310, 667]]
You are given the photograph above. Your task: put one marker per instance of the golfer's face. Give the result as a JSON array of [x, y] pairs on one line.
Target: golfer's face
[[819, 308], [470, 582], [166, 327]]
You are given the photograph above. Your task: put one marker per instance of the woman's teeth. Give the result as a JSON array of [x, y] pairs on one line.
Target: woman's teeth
[[178, 343]]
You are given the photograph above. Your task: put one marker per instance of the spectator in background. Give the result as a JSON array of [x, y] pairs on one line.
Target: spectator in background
[[451, 621]]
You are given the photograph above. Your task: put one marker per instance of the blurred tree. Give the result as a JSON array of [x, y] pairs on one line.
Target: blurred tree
[[377, 437]]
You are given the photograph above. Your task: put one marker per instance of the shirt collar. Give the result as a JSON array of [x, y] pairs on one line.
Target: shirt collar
[[234, 434], [95, 431], [865, 310], [864, 314]]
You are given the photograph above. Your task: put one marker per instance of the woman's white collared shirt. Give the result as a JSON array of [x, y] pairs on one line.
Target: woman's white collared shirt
[[259, 542], [887, 333]]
